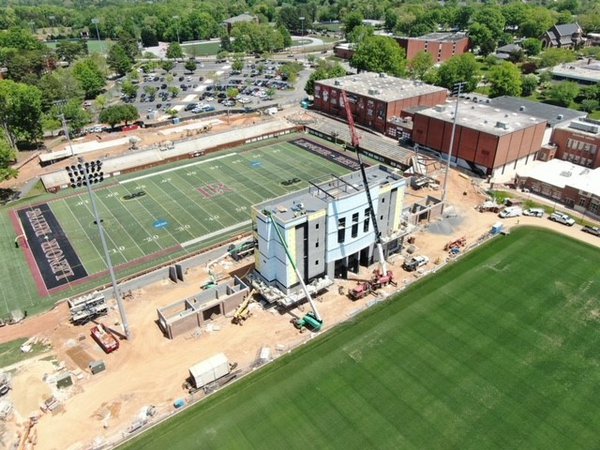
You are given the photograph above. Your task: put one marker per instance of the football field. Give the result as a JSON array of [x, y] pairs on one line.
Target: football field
[[499, 350], [153, 216]]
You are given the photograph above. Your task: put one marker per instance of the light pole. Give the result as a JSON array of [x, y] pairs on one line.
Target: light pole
[[96, 22], [455, 91], [302, 22], [176, 19], [66, 131], [86, 174], [51, 18]]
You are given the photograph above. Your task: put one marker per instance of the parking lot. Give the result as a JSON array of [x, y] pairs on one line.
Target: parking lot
[[204, 90]]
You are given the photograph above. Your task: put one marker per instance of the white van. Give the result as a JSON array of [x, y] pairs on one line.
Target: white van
[[511, 211], [534, 212]]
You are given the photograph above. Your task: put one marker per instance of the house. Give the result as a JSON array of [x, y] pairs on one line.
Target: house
[[509, 52], [233, 21], [568, 35]]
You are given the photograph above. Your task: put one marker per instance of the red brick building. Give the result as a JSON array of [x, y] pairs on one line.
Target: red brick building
[[375, 98], [442, 46], [578, 142], [488, 140]]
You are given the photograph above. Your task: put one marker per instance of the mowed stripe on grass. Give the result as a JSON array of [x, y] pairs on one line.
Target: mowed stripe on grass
[[496, 351]]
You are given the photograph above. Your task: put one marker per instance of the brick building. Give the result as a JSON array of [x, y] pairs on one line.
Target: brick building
[[375, 98], [578, 142], [488, 140], [442, 46]]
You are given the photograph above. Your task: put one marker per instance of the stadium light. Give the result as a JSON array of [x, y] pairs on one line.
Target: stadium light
[[176, 19], [86, 174], [456, 90], [96, 22]]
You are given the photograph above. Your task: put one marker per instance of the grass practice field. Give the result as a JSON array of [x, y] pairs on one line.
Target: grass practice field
[[186, 207], [497, 351]]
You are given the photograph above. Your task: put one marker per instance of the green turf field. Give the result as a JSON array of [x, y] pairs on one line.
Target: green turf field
[[498, 351], [204, 202], [202, 49]]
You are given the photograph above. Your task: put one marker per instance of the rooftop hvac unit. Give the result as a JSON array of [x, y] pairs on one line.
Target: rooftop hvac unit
[[587, 127], [560, 117], [502, 125], [338, 82], [440, 108], [374, 91], [382, 75], [521, 108]]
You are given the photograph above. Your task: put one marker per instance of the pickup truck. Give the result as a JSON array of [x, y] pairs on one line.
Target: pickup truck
[[415, 262], [562, 218], [595, 231]]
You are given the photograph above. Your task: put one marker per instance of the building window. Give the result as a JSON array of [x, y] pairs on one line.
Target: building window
[[341, 230], [366, 222], [354, 225], [582, 201], [317, 262], [317, 244], [382, 199], [381, 218], [316, 226]]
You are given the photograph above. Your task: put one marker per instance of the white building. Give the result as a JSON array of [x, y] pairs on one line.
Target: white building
[[327, 227]]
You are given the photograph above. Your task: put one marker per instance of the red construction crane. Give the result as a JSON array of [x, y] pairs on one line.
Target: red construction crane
[[355, 140]]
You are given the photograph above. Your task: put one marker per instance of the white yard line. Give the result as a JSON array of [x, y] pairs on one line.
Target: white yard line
[[173, 169], [216, 233]]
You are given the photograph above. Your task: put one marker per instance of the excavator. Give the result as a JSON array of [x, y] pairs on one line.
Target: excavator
[[382, 275], [311, 320]]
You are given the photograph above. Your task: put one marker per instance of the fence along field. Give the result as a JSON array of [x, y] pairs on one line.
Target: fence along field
[[498, 350], [152, 216]]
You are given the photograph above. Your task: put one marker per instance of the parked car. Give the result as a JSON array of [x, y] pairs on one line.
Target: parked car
[[414, 263], [229, 103], [562, 218], [534, 212], [511, 211], [595, 231]]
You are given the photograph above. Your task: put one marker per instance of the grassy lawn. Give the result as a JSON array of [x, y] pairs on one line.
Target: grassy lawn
[[10, 352], [199, 202], [202, 49], [497, 351], [94, 46]]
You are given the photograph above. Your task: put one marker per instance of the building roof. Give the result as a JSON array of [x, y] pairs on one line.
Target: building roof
[[316, 197], [561, 173], [482, 117], [241, 18], [442, 37], [563, 33], [509, 48], [550, 113], [587, 127], [381, 86], [583, 70]]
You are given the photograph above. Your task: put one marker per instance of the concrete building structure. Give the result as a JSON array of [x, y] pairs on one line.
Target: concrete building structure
[[242, 18], [567, 35], [563, 182], [345, 50], [585, 71], [327, 227], [374, 98], [578, 142], [441, 46], [488, 140]]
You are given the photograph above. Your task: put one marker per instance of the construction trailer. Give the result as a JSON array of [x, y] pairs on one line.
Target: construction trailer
[[87, 307], [209, 370]]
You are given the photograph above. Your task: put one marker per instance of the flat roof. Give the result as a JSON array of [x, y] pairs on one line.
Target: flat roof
[[381, 86], [587, 127], [317, 196], [561, 173], [552, 114], [585, 70], [482, 117], [440, 36]]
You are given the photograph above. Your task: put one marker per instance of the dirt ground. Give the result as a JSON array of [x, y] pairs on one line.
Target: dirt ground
[[150, 369]]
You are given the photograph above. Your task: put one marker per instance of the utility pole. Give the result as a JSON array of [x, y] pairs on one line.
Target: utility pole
[[456, 90]]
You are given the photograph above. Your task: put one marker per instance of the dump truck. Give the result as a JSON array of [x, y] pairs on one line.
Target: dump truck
[[104, 338], [209, 370]]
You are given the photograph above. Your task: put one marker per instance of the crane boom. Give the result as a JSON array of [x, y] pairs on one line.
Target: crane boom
[[355, 140], [293, 263]]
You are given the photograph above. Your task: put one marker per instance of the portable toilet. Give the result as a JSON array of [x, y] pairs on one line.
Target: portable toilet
[[64, 381], [97, 367], [497, 228]]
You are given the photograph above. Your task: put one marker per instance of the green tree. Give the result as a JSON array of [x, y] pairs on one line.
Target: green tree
[[351, 21], [129, 89], [113, 115], [554, 56], [101, 102], [174, 91], [563, 94], [222, 55], [589, 105], [325, 70], [232, 92], [238, 64], [20, 112], [90, 77], [190, 65], [505, 79], [529, 84], [76, 117], [287, 37], [380, 54], [167, 65], [172, 113], [419, 65], [69, 51], [59, 85], [118, 59], [532, 46], [225, 41], [290, 71], [174, 51], [7, 157], [359, 34], [483, 38], [538, 21], [461, 68]]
